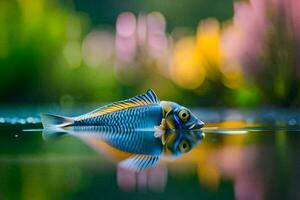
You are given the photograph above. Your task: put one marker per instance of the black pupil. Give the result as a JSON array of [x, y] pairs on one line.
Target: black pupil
[[184, 145], [183, 114]]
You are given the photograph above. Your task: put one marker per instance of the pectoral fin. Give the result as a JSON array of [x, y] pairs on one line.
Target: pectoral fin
[[139, 162], [161, 129]]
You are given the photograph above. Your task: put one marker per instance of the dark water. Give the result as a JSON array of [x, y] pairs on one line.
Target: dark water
[[245, 155]]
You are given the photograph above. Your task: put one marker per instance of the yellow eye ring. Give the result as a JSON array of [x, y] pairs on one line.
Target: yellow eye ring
[[184, 146], [184, 115]]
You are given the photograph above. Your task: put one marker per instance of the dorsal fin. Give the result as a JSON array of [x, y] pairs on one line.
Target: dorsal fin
[[144, 99]]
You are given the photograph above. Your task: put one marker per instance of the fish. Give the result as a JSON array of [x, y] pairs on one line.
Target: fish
[[141, 148], [144, 111], [142, 126]]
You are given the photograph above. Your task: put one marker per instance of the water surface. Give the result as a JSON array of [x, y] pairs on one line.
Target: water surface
[[246, 154]]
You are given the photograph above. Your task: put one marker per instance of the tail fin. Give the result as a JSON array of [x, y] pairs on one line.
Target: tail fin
[[55, 121], [55, 133]]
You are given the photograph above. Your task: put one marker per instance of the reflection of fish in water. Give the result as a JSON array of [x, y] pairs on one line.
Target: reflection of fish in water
[[145, 150], [142, 111]]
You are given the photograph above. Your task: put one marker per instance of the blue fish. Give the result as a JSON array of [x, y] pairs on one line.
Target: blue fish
[[144, 111], [143, 125]]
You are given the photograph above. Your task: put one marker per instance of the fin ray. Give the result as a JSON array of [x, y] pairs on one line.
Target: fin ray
[[55, 121]]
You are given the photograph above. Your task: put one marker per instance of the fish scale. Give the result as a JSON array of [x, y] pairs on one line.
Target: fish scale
[[136, 117]]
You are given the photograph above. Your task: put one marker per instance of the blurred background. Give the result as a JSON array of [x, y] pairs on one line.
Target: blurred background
[[199, 53], [196, 52]]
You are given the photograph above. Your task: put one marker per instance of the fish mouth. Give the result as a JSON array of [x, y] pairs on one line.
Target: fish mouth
[[197, 125]]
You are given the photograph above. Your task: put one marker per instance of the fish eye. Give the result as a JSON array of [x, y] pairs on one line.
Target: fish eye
[[184, 115], [184, 146]]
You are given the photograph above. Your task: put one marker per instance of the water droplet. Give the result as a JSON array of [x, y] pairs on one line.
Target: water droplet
[[13, 120], [292, 122], [2, 120], [30, 120], [37, 120], [21, 121]]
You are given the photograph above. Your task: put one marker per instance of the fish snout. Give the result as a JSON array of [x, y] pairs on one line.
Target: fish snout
[[198, 125]]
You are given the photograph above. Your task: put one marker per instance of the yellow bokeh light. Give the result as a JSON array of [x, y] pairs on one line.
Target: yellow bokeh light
[[202, 57], [208, 41], [196, 58], [232, 76], [187, 70]]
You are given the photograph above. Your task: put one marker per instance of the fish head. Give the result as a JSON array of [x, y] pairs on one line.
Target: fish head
[[178, 117], [176, 143]]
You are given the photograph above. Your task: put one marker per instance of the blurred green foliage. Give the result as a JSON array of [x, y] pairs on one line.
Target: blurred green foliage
[[43, 57], [32, 39], [40, 52], [178, 13]]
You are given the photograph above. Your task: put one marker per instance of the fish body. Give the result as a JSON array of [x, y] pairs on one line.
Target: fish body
[[144, 111], [146, 116]]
